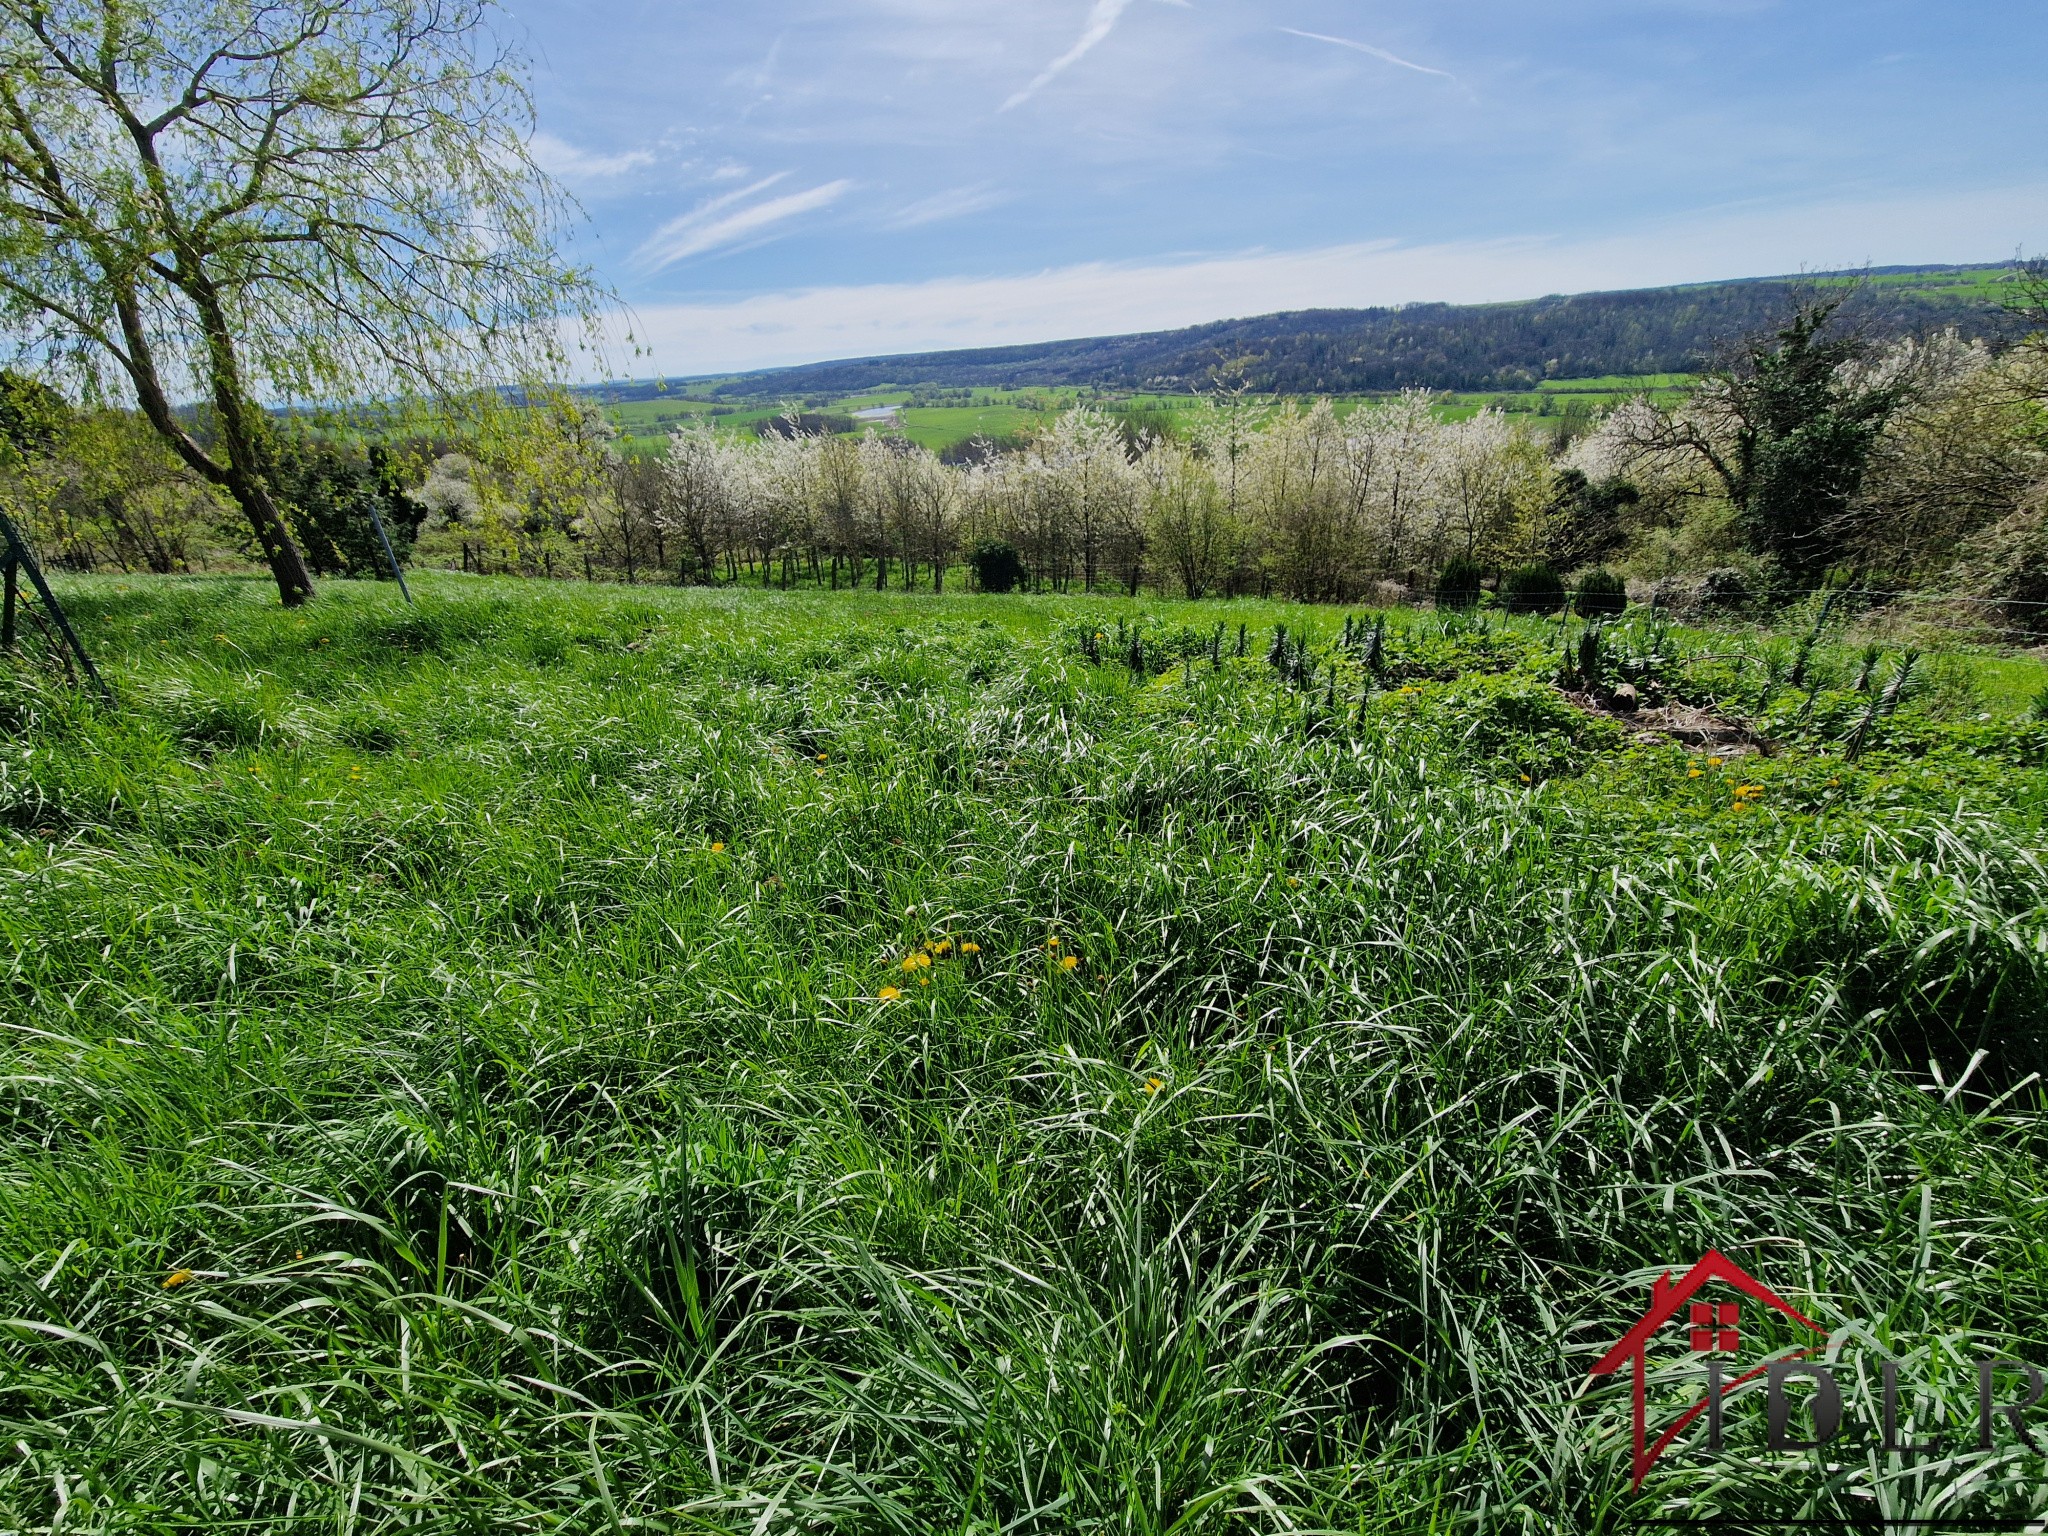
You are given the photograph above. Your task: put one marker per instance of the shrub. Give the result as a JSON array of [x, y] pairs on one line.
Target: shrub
[[1532, 589], [1725, 588], [328, 490], [997, 566], [1601, 594], [1458, 585]]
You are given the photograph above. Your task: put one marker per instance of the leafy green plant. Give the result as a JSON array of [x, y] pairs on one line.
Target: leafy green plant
[[1458, 584], [1601, 594], [1532, 589], [997, 566]]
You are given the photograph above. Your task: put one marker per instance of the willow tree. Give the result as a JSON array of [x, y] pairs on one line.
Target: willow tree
[[246, 203]]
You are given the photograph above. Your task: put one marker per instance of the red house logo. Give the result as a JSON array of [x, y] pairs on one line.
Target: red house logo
[[1715, 1330]]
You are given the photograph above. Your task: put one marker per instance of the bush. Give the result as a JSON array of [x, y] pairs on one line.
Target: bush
[[997, 566], [1458, 585], [1725, 589], [327, 490], [1532, 589], [1602, 594]]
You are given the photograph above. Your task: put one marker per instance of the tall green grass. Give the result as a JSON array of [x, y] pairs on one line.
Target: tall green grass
[[450, 1084]]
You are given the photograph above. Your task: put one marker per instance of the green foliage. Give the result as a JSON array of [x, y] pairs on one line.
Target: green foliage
[[453, 1082], [997, 566], [1532, 589], [1601, 594], [1584, 521], [1458, 584], [32, 417], [327, 490], [1805, 428]]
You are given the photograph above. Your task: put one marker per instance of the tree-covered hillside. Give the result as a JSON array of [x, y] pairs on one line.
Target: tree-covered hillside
[[1438, 346]]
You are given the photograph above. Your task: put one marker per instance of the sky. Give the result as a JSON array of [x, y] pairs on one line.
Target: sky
[[771, 182]]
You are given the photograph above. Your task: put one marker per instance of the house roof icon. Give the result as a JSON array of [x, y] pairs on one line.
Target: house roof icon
[[1666, 1297]]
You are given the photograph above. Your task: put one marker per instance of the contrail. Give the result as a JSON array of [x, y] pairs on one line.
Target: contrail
[[1378, 53], [1101, 22]]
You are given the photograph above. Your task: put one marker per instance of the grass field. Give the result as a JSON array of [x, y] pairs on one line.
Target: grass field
[[585, 1059], [994, 413]]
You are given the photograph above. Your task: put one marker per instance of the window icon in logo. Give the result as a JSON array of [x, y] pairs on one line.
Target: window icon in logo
[[1713, 1328]]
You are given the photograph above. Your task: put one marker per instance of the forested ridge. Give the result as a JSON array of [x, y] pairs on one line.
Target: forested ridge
[[1434, 346]]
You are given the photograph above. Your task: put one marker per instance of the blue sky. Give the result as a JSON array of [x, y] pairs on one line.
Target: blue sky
[[784, 182]]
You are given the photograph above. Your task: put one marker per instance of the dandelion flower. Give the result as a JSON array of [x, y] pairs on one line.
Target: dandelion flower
[[970, 949], [1692, 773], [889, 994], [178, 1277], [1070, 962], [1052, 943], [1713, 762], [923, 980], [1294, 880], [819, 772], [1153, 1085], [824, 757], [1834, 783], [718, 847], [1526, 779], [943, 947]]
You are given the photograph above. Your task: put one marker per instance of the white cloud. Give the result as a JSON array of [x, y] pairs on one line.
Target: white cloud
[[560, 158], [958, 203], [709, 226], [1102, 20], [1101, 298], [1378, 53]]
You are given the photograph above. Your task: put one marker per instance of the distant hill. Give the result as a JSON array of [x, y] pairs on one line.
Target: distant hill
[[1473, 347]]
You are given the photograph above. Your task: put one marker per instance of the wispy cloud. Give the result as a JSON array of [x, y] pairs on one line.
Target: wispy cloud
[[560, 158], [1367, 48], [1102, 20], [958, 203], [723, 221]]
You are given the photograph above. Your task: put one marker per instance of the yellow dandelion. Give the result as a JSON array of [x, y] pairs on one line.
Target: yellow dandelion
[[819, 772], [1713, 762], [1052, 943], [923, 980], [178, 1277], [943, 947], [1834, 783], [1692, 773], [1526, 779], [824, 757], [970, 949], [718, 847], [889, 994], [1153, 1085], [1070, 962], [1294, 880]]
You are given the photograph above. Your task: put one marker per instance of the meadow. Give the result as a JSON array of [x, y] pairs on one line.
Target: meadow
[[568, 1058], [644, 425]]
